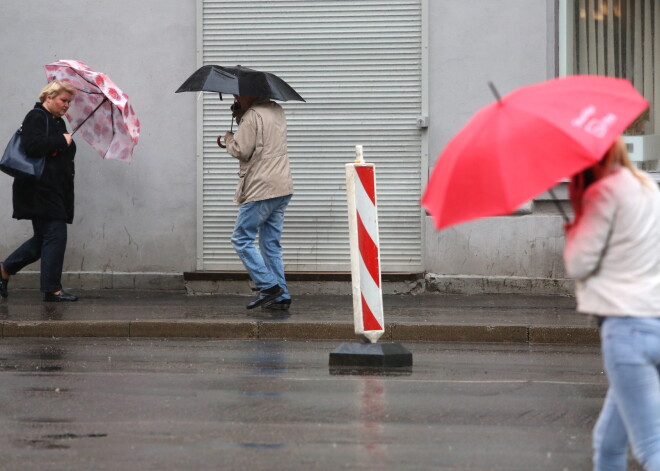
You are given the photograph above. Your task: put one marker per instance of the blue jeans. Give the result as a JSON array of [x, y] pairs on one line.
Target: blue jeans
[[631, 412], [263, 218], [47, 243]]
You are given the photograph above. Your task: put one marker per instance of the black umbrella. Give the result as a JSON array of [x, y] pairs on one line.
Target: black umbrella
[[239, 80]]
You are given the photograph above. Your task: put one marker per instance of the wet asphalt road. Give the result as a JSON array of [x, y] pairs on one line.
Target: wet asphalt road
[[105, 404]]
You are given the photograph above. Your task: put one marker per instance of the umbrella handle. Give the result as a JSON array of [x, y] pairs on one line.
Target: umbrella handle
[[558, 204], [220, 144]]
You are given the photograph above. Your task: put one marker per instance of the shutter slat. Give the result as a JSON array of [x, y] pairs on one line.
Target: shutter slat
[[358, 66]]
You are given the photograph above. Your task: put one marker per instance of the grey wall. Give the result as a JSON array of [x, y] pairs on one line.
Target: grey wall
[[471, 42], [137, 217]]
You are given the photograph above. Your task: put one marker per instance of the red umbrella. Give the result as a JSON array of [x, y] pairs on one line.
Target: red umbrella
[[100, 110], [525, 143]]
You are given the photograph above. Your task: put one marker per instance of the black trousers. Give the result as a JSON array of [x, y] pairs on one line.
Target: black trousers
[[47, 243]]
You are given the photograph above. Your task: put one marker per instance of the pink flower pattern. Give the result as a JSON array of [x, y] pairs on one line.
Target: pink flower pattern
[[114, 128]]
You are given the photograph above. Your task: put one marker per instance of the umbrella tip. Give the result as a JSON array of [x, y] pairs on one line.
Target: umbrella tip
[[495, 92]]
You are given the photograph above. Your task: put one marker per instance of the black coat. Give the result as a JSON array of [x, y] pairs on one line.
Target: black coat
[[51, 197]]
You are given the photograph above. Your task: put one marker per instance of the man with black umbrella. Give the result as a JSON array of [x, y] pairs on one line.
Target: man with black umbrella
[[264, 190]]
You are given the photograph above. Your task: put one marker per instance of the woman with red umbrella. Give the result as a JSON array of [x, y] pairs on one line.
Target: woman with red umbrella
[[612, 252], [47, 202]]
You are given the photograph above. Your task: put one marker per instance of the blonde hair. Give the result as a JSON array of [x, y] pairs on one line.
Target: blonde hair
[[618, 155], [55, 88]]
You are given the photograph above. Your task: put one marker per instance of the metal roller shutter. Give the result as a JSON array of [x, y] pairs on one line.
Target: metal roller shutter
[[358, 65]]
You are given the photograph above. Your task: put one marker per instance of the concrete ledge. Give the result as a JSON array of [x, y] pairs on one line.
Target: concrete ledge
[[312, 283], [299, 283], [460, 333], [222, 275], [205, 283], [564, 335], [194, 329], [65, 329], [105, 280], [224, 330], [458, 284], [306, 331]]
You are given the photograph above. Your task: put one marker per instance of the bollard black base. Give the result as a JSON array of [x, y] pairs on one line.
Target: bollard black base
[[370, 358]]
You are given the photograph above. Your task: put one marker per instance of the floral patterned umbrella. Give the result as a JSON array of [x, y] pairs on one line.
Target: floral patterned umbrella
[[100, 110]]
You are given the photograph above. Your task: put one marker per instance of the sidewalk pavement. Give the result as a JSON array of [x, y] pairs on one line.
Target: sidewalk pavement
[[499, 318]]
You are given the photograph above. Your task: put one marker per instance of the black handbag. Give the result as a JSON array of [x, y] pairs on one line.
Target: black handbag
[[17, 163]]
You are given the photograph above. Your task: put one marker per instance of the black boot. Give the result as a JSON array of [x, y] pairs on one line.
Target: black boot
[[266, 296], [3, 284], [3, 287], [282, 305]]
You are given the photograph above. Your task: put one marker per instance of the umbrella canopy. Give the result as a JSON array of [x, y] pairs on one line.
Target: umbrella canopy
[[100, 110], [525, 143], [239, 81]]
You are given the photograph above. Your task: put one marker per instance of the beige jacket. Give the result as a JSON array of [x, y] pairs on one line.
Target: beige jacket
[[260, 146], [613, 252]]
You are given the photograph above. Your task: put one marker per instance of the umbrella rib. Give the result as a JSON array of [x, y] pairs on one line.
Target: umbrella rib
[[89, 116], [555, 200], [84, 78], [112, 124], [89, 92]]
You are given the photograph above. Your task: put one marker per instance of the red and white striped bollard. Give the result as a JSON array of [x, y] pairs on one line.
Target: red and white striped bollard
[[364, 247]]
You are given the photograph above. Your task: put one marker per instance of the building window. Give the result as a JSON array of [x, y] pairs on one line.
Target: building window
[[620, 38]]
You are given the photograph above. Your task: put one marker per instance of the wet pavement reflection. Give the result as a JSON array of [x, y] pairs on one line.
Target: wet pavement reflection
[[371, 425], [113, 304], [81, 404]]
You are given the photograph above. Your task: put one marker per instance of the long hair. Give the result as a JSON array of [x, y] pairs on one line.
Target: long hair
[[618, 155]]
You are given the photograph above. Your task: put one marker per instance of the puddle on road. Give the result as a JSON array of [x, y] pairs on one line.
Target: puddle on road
[[68, 436], [40, 444], [54, 441], [262, 445]]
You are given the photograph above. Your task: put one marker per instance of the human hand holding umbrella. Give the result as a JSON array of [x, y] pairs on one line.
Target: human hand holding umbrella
[[236, 115]]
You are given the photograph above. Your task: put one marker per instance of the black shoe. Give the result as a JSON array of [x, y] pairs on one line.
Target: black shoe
[[266, 296], [282, 305], [3, 285], [62, 297]]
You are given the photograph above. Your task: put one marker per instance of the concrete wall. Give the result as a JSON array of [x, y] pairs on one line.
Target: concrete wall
[[511, 43], [136, 218]]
